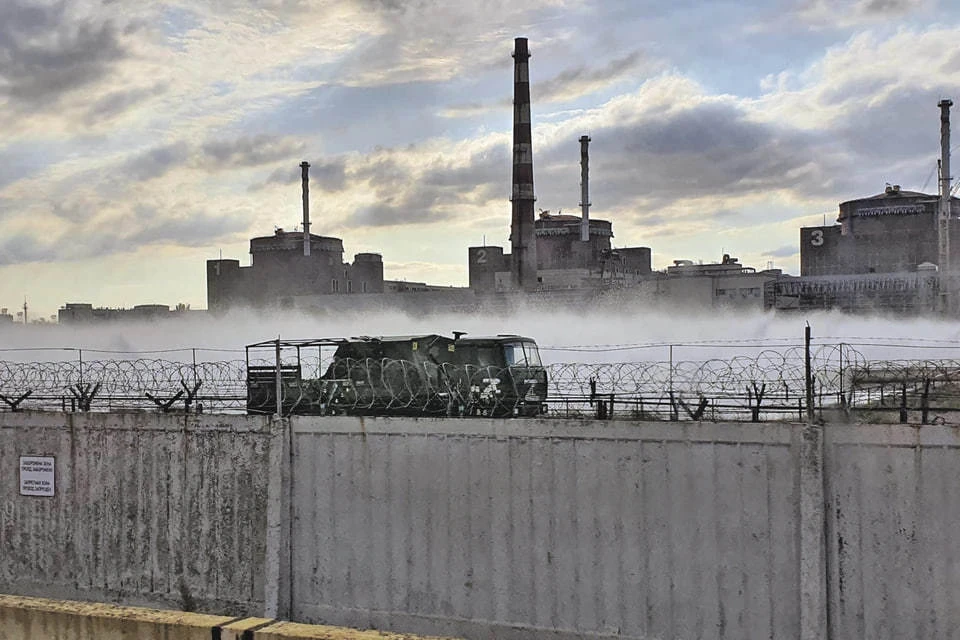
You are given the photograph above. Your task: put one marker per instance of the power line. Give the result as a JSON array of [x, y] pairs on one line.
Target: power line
[[929, 177]]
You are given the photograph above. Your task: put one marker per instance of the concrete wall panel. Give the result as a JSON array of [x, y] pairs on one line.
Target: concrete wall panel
[[445, 527], [893, 514], [149, 509]]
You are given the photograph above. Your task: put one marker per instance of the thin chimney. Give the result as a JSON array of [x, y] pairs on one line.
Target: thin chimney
[[584, 188], [943, 219], [305, 177], [522, 235]]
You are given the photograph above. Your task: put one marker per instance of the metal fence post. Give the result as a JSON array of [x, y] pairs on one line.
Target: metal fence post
[[279, 381], [809, 374]]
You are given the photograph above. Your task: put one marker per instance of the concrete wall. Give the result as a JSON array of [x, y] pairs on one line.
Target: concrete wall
[[507, 529], [484, 528], [149, 509], [892, 532]]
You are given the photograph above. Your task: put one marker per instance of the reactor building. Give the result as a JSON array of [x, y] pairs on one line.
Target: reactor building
[[291, 264], [891, 232], [894, 251]]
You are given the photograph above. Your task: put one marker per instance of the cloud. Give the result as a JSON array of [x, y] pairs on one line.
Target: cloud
[[118, 102], [418, 186], [122, 232], [834, 14], [414, 207], [877, 129], [223, 154], [786, 251], [698, 149], [155, 162], [196, 229], [665, 144], [432, 40], [80, 207], [327, 176], [583, 80], [470, 109], [387, 214], [45, 52], [252, 151], [19, 248], [569, 84], [889, 7]]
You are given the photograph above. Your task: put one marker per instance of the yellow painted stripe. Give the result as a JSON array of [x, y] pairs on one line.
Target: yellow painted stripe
[[292, 630], [27, 618], [234, 630], [24, 618]]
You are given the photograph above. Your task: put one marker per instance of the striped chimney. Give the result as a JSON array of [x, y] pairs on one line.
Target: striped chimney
[[522, 237], [585, 188]]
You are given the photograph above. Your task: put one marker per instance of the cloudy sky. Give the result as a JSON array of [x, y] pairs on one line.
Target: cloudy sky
[[141, 139]]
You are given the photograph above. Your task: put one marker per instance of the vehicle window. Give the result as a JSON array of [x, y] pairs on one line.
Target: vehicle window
[[513, 354], [487, 357], [532, 354]]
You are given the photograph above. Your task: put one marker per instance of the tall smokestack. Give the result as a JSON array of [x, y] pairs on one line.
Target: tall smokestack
[[522, 236], [305, 178], [584, 188], [943, 219]]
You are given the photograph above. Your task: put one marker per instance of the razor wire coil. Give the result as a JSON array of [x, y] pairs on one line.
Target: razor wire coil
[[771, 382]]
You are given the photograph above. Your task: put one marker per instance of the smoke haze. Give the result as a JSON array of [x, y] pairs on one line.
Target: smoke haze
[[563, 336]]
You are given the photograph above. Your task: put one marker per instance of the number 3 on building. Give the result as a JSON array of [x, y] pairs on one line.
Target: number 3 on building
[[816, 238]]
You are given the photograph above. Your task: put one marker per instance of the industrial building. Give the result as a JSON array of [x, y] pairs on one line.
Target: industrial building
[[86, 313], [281, 269], [552, 251], [563, 260], [291, 264], [891, 232], [896, 251], [882, 255]]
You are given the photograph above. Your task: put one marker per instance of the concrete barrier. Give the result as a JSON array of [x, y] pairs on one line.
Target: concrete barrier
[[23, 618]]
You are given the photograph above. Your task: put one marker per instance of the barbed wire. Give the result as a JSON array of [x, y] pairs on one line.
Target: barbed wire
[[400, 387], [769, 383]]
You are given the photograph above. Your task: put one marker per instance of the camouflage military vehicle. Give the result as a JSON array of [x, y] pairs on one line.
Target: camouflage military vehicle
[[422, 375]]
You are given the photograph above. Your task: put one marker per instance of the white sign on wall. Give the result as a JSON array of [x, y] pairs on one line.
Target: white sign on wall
[[36, 475]]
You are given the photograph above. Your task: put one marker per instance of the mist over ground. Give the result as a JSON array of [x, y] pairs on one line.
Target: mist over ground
[[563, 336]]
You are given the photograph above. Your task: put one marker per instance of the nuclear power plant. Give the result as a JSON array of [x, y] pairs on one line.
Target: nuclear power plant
[[889, 252]]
